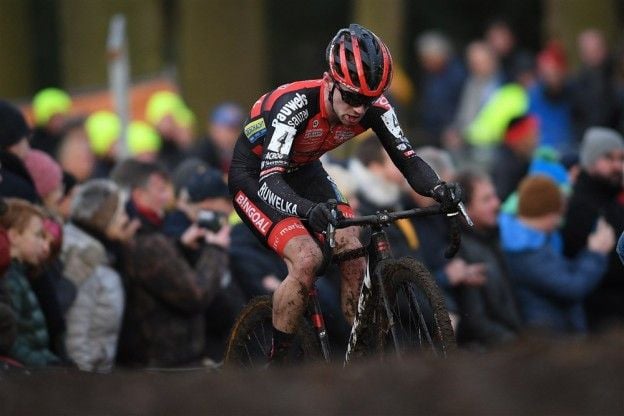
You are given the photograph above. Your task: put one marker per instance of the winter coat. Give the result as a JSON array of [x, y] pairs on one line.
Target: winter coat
[[166, 299], [31, 344], [94, 319], [554, 112], [489, 313], [508, 170], [550, 288], [591, 198], [620, 247], [8, 321]]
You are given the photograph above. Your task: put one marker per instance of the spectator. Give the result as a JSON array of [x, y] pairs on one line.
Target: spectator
[[74, 152], [24, 224], [513, 156], [489, 314], [441, 78], [50, 108], [143, 143], [104, 129], [201, 228], [501, 39], [551, 101], [222, 130], [378, 187], [91, 250], [14, 146], [447, 273], [598, 193], [550, 287], [69, 190], [162, 113], [164, 323], [595, 100]]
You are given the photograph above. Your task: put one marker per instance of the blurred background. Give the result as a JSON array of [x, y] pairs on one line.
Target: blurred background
[[236, 49]]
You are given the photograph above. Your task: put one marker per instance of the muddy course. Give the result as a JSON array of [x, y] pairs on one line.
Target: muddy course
[[535, 376]]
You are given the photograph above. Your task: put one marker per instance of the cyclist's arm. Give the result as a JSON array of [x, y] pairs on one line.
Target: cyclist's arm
[[383, 120], [275, 159]]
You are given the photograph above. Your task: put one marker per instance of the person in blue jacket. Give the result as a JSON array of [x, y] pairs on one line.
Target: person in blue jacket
[[550, 288], [620, 247]]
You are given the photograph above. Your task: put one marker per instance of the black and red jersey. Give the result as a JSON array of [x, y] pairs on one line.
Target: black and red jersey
[[289, 127]]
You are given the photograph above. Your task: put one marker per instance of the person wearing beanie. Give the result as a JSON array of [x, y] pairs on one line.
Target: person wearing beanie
[[103, 130], [144, 142], [222, 128], [51, 106], [91, 249], [14, 146], [550, 287], [48, 178], [513, 156], [599, 193]]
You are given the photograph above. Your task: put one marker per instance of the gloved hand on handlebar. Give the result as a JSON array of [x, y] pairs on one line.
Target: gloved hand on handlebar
[[319, 216], [448, 195]]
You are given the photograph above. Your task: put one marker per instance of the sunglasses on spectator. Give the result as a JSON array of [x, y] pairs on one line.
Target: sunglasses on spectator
[[354, 99]]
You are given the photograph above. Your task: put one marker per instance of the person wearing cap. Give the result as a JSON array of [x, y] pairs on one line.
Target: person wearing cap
[[47, 175], [50, 109], [14, 146], [103, 130], [166, 112], [513, 156], [223, 127], [549, 286], [599, 193]]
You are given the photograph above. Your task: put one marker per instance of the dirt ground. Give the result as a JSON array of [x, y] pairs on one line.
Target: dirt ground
[[532, 377]]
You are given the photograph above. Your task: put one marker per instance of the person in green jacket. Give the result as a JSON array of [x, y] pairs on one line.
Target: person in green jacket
[[28, 247]]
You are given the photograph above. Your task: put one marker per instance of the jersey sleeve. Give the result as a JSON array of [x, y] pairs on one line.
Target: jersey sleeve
[[384, 122], [285, 116]]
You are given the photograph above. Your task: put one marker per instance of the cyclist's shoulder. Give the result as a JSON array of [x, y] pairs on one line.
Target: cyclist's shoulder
[[297, 94]]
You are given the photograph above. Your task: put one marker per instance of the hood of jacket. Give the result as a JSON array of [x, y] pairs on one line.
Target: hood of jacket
[[518, 236], [81, 254]]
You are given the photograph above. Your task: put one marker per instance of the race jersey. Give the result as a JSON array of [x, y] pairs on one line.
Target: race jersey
[[289, 127]]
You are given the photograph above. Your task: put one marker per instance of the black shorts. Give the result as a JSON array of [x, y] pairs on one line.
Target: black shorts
[[273, 227]]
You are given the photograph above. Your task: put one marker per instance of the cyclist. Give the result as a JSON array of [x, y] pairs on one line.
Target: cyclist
[[276, 178]]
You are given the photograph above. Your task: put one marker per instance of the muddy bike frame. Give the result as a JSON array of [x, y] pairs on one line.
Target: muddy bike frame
[[377, 250]]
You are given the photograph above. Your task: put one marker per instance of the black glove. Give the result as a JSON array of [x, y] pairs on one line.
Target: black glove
[[319, 216], [448, 195]]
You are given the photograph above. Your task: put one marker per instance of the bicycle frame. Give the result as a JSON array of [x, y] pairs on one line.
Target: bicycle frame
[[377, 250]]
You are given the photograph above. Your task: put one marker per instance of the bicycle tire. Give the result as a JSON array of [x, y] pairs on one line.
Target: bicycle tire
[[409, 287], [249, 343]]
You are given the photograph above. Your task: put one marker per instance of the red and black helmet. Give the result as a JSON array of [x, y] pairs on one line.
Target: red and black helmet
[[359, 61]]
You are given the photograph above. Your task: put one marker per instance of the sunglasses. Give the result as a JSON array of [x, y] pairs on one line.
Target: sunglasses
[[354, 99]]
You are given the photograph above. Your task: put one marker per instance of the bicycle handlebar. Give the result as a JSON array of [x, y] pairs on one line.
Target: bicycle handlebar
[[384, 218]]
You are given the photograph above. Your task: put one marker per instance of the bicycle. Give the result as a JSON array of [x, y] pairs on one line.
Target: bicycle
[[400, 308]]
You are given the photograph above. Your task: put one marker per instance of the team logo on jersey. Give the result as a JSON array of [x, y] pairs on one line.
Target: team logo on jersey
[[257, 217], [313, 134], [315, 124], [392, 123], [255, 129], [276, 201], [292, 105]]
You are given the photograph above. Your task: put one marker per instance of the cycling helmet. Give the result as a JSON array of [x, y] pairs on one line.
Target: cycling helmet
[[359, 61]]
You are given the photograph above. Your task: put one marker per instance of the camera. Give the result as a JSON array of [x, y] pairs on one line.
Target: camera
[[210, 220]]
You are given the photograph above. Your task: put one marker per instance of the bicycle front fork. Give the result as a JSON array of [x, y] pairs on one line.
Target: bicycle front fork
[[316, 316]]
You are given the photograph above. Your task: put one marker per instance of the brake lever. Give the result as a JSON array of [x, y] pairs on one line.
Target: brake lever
[[331, 229], [462, 210]]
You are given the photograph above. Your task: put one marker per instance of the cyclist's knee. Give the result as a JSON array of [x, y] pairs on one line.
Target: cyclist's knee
[[348, 239], [303, 257]]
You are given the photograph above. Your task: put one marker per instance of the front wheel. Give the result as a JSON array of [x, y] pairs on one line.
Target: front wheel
[[250, 340], [413, 307]]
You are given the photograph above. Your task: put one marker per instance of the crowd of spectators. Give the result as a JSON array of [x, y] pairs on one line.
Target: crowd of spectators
[[128, 252]]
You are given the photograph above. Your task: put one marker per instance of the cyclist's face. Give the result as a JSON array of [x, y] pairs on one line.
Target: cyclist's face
[[349, 107]]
